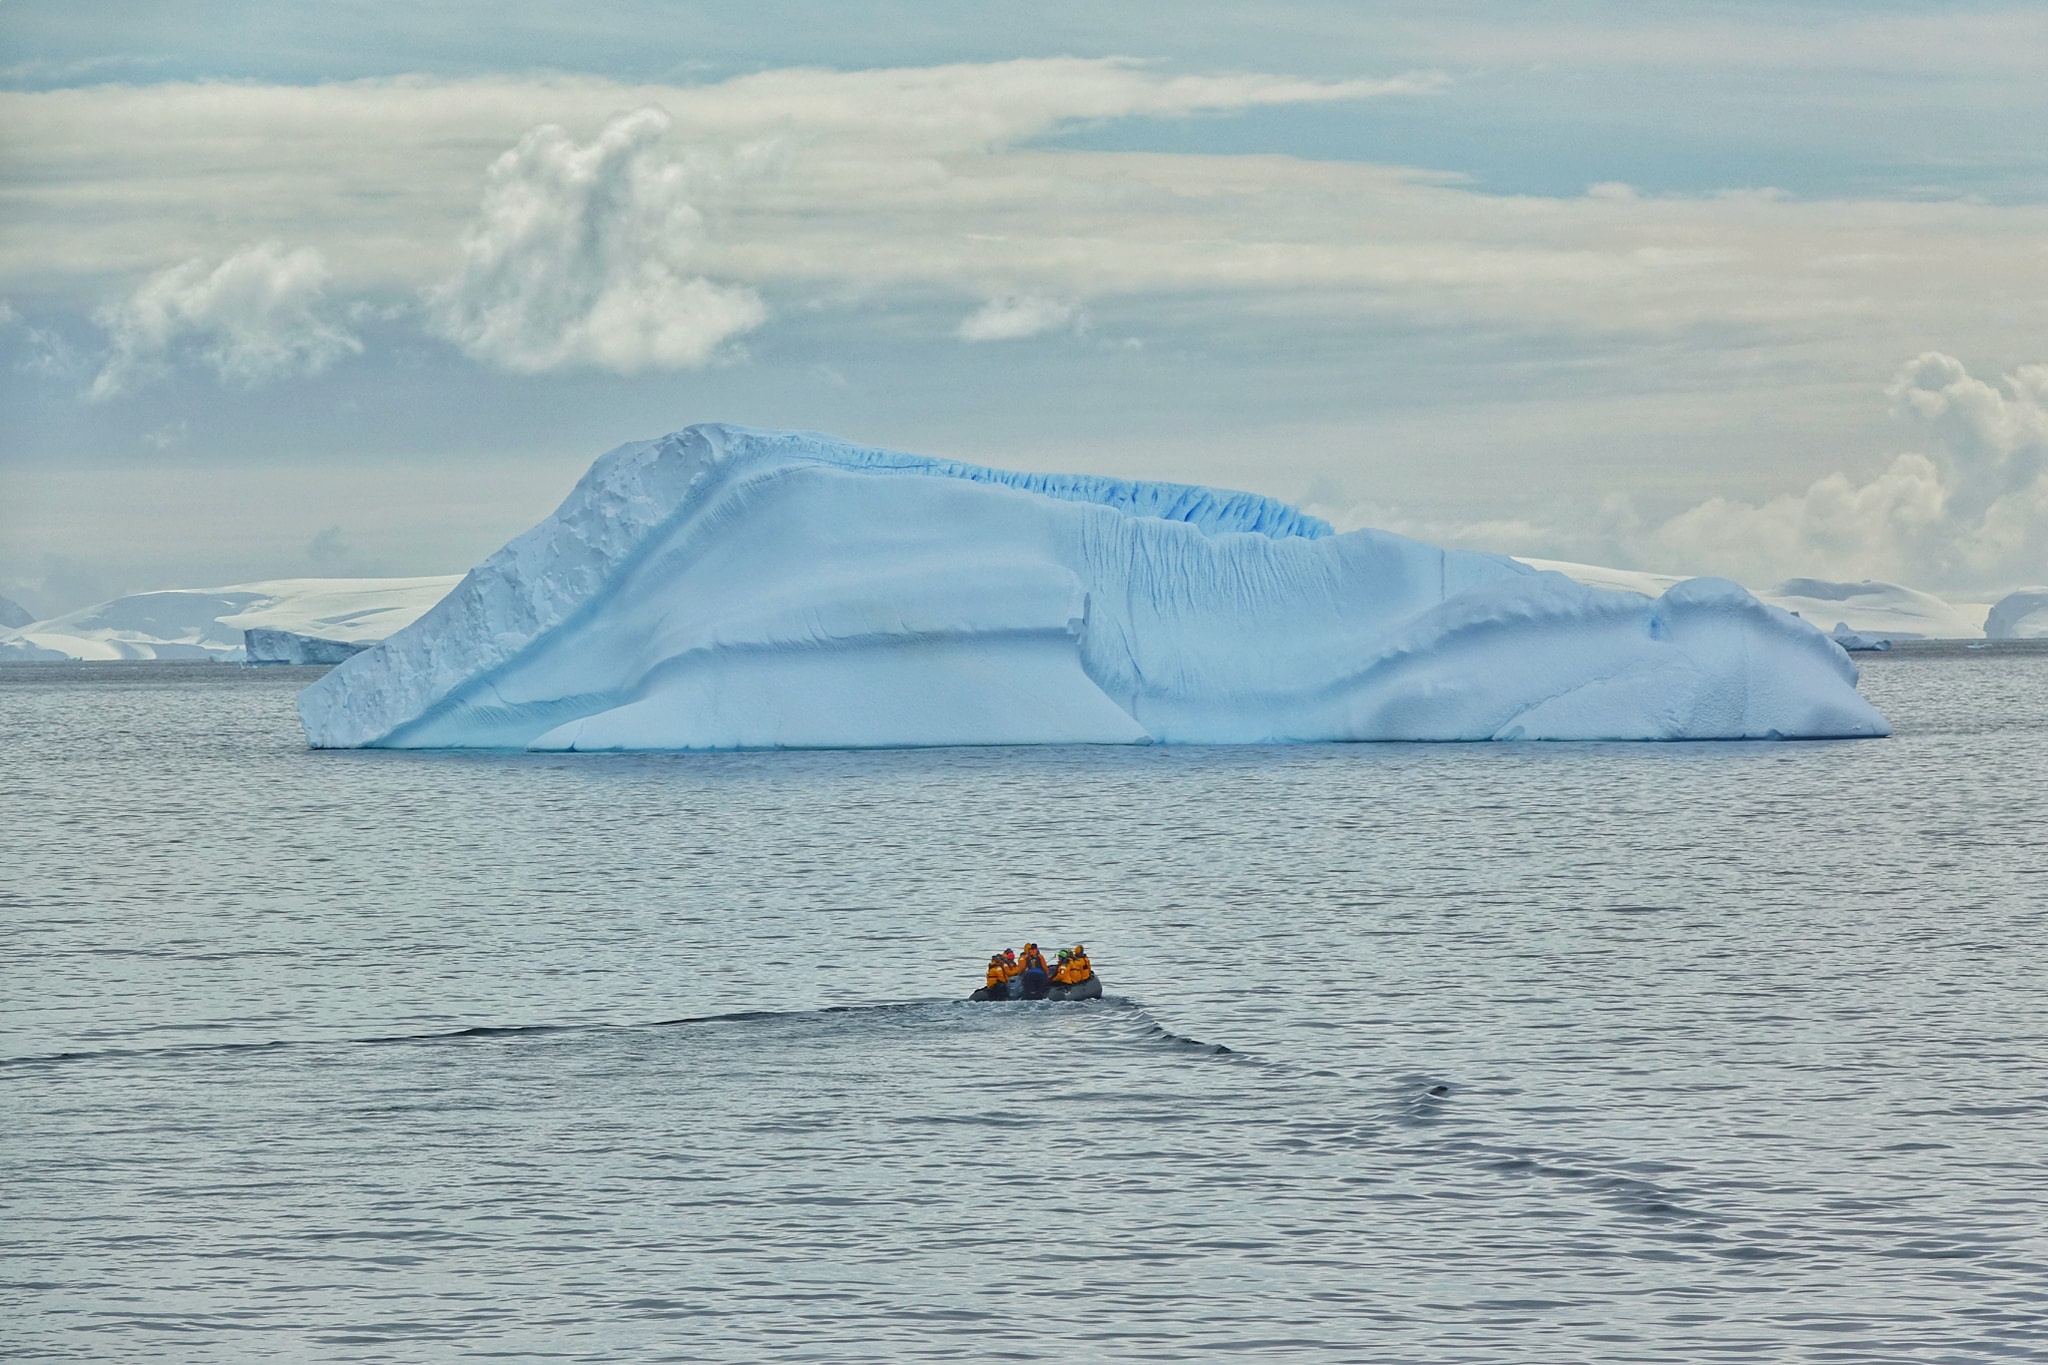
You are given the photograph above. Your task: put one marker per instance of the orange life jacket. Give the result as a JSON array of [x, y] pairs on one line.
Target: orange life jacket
[[1031, 958], [998, 972], [1062, 975], [1081, 968]]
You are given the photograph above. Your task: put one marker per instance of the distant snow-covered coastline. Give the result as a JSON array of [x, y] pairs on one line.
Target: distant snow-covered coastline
[[1869, 610], [292, 618]]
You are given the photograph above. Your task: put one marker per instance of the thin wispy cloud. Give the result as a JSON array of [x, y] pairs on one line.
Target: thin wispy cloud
[[383, 175], [1857, 39], [814, 181], [44, 72], [1012, 317]]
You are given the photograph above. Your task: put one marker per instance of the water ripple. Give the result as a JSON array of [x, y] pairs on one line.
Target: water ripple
[[1445, 1053]]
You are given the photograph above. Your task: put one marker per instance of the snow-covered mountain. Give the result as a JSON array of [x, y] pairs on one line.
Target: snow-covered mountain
[[729, 588], [13, 614], [210, 623]]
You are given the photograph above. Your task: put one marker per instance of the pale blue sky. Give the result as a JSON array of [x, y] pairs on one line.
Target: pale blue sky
[[1397, 300]]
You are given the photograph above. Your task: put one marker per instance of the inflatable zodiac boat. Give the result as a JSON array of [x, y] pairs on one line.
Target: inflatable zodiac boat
[[1091, 989]]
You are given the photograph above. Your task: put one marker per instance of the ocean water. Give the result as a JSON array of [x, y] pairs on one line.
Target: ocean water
[[1413, 1053]]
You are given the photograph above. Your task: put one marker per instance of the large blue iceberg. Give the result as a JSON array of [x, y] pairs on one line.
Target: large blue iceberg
[[725, 588]]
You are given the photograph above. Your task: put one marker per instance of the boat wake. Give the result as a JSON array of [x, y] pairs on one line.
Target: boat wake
[[1132, 1016]]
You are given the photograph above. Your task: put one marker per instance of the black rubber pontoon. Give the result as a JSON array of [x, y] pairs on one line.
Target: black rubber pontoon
[[1091, 989]]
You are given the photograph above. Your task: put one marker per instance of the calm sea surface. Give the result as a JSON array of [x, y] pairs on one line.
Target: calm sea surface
[[1415, 1053]]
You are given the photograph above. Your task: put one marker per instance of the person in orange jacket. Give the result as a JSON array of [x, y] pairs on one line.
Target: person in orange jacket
[[998, 972], [1012, 987], [1036, 979]]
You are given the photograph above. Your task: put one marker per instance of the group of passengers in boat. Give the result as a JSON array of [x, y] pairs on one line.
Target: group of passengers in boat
[[1028, 968]]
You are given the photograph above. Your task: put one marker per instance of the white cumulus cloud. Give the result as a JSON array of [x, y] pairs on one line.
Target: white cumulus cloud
[[1998, 441], [1889, 526], [1971, 511], [1010, 317], [256, 316], [1967, 513], [582, 256]]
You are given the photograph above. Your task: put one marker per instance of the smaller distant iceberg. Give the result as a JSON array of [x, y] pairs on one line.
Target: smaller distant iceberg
[[295, 619], [2019, 615], [726, 588], [1856, 641], [270, 645]]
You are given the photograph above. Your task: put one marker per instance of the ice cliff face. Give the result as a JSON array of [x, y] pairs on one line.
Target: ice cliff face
[[269, 645], [2019, 615], [729, 588]]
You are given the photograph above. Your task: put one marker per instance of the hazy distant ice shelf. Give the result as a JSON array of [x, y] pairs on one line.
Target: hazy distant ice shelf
[[286, 620], [728, 588]]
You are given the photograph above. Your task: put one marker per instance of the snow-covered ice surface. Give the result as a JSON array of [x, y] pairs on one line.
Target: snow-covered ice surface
[[2019, 615], [1614, 580], [727, 588], [1868, 610], [1875, 609], [173, 624], [210, 623], [354, 610]]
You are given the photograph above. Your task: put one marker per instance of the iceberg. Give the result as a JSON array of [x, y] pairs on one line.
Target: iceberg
[[2019, 615], [1856, 642], [14, 649], [271, 645], [213, 624], [725, 588]]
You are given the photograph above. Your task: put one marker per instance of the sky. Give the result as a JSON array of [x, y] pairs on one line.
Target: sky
[[1758, 290]]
